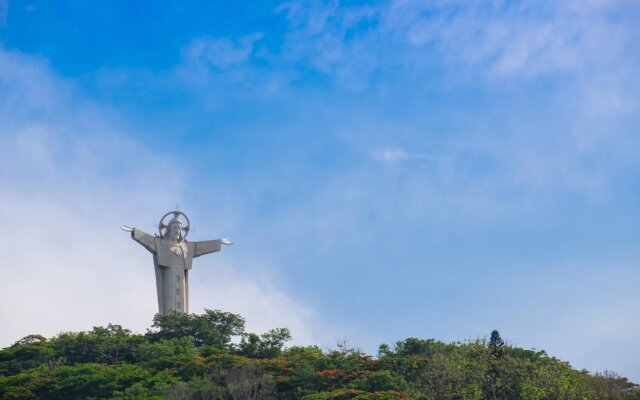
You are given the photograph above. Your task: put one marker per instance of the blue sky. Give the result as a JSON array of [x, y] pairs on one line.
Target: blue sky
[[387, 169]]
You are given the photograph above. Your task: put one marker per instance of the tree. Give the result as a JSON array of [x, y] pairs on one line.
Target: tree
[[249, 382], [31, 339], [108, 345], [267, 345], [380, 381], [214, 327], [496, 344], [415, 347], [29, 352]]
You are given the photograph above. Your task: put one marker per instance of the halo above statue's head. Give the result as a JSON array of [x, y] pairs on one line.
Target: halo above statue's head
[[185, 225]]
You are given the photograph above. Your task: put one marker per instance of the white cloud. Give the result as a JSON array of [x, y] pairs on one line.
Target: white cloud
[[221, 52], [392, 155], [320, 36], [256, 298], [70, 178], [572, 135], [498, 39], [220, 69]]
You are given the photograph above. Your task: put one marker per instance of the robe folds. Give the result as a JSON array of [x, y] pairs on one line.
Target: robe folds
[[172, 261]]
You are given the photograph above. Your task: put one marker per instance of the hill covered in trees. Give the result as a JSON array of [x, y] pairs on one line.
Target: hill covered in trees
[[211, 356]]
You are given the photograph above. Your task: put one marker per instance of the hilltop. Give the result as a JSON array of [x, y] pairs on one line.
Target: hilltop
[[211, 356]]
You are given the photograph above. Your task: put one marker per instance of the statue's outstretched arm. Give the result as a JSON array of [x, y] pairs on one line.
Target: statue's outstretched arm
[[147, 241], [209, 246]]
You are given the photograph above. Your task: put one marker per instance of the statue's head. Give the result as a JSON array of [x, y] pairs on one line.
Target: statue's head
[[174, 230]]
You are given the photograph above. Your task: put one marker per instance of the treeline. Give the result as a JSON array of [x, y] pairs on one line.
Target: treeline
[[211, 356]]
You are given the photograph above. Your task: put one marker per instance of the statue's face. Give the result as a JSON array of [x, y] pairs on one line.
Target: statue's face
[[174, 231]]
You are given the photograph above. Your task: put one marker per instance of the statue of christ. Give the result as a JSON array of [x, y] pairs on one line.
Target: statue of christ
[[172, 258]]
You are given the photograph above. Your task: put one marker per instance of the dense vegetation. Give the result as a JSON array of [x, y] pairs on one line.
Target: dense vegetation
[[210, 356]]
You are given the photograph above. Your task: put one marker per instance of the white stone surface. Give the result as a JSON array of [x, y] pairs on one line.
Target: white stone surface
[[172, 258]]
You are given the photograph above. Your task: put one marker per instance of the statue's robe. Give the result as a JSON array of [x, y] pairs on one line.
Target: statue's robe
[[172, 261]]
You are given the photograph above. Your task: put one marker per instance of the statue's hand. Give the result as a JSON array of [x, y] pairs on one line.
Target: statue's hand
[[226, 241], [127, 228]]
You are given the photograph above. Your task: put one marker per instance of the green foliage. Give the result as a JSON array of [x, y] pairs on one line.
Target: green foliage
[[214, 328], [496, 344], [267, 345], [347, 394], [83, 381], [27, 353], [381, 381], [419, 347], [194, 357], [101, 345]]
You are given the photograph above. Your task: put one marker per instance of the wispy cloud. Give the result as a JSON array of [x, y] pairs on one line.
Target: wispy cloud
[[553, 88], [221, 52], [392, 155], [497, 39], [223, 68]]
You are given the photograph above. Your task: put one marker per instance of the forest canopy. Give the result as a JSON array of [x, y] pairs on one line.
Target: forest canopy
[[211, 356]]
